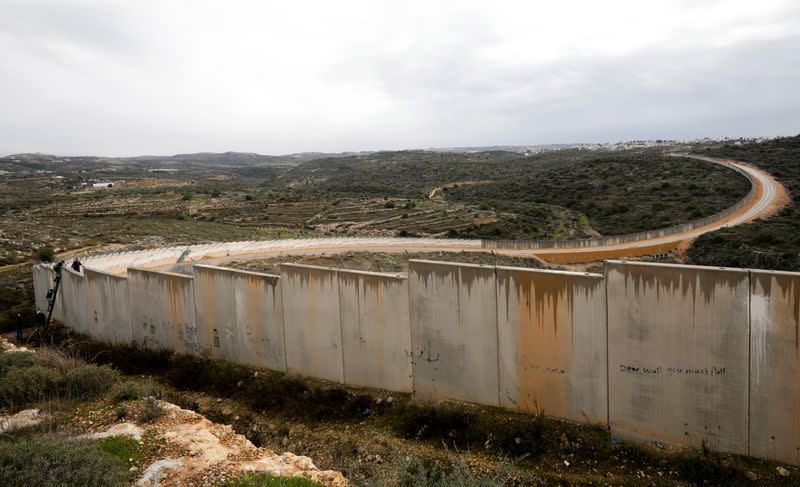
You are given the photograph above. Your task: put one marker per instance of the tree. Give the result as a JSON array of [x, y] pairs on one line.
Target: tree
[[45, 254]]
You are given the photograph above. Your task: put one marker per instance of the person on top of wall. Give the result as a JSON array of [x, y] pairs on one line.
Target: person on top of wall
[[76, 265]]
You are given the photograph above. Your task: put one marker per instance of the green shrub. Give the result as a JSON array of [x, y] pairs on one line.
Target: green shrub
[[10, 360], [152, 410], [418, 473], [267, 480], [22, 386], [121, 411], [465, 427], [45, 254], [127, 390], [51, 462], [61, 360], [26, 378], [89, 380]]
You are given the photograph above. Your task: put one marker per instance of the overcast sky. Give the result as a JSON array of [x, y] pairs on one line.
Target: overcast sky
[[161, 77]]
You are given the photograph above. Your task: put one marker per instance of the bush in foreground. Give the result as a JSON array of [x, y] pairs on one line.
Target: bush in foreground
[[27, 378], [51, 462]]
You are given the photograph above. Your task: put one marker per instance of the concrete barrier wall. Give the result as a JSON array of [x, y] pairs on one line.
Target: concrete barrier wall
[[552, 343], [108, 307], [678, 353], [74, 300], [775, 366], [163, 311], [376, 335], [259, 320], [311, 320], [216, 311], [454, 331]]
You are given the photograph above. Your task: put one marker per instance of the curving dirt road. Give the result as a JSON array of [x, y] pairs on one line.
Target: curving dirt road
[[766, 198]]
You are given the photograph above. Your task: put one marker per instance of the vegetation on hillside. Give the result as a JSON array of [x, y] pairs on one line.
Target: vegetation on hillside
[[764, 244], [618, 193], [548, 195]]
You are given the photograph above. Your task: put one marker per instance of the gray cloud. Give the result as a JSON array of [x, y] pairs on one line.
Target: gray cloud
[[117, 78]]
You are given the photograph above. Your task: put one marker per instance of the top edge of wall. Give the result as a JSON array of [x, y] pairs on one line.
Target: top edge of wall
[[152, 271], [72, 271], [212, 267], [551, 271], [675, 266], [103, 273], [306, 266], [396, 275], [453, 264], [775, 273], [290, 265], [237, 271]]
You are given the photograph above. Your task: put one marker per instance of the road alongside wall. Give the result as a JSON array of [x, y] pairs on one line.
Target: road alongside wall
[[678, 354], [765, 198]]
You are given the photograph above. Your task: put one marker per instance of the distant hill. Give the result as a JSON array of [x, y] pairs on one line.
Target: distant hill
[[254, 161], [49, 162]]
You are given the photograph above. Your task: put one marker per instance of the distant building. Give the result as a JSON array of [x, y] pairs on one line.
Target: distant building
[[102, 185]]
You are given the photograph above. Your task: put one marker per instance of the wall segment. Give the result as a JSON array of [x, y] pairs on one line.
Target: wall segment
[[454, 331], [775, 366], [552, 342], [312, 324], [215, 306], [108, 307], [376, 330], [678, 353], [259, 320], [74, 303], [163, 311]]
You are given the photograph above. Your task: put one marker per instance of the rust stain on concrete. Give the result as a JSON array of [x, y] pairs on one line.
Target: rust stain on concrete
[[672, 279]]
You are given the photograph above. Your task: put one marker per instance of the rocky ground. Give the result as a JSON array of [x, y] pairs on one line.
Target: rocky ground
[[185, 448]]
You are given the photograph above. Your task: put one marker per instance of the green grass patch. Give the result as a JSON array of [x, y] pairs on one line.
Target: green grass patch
[[266, 480], [123, 448]]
